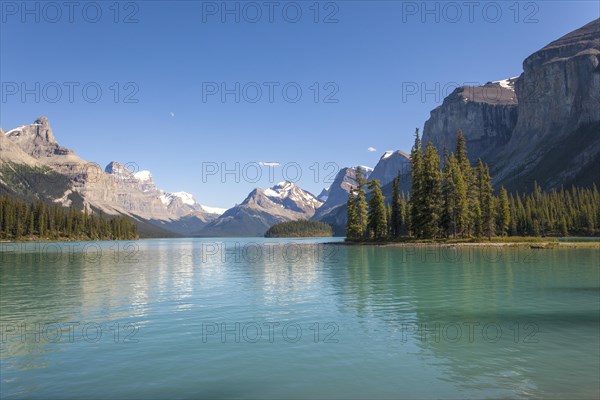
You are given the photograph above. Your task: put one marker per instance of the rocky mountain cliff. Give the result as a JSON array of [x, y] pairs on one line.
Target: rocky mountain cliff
[[262, 209], [116, 190], [390, 164], [486, 114], [543, 126]]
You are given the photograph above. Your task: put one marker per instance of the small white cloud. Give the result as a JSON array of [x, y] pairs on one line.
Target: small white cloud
[[269, 163], [372, 149], [172, 114]]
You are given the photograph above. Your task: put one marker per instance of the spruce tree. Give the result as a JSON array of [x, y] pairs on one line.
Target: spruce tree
[[448, 205], [503, 212], [352, 223], [396, 215], [432, 193], [474, 223], [360, 205], [457, 206], [486, 199], [564, 230], [416, 198], [377, 225]]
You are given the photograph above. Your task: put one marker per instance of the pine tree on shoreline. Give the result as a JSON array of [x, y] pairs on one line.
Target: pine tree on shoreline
[[377, 225]]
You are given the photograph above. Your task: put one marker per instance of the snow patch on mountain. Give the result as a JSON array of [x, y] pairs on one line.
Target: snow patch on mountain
[[508, 83], [143, 176], [214, 210], [185, 197], [13, 132]]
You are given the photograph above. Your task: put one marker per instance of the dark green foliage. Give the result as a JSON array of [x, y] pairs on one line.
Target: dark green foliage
[[31, 184], [455, 216], [352, 228], [503, 213], [431, 188], [302, 228], [486, 200], [360, 204], [396, 219], [417, 196], [377, 219], [557, 213], [38, 220]]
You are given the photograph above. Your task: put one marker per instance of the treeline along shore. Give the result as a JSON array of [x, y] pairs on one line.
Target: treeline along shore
[[21, 221], [452, 201]]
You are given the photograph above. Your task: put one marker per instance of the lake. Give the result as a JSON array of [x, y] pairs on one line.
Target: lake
[[273, 318]]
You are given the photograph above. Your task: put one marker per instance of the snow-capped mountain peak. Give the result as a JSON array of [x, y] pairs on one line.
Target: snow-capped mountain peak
[[281, 190], [186, 198], [143, 176]]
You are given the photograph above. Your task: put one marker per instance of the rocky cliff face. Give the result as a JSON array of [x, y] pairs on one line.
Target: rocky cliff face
[[486, 114], [389, 165], [37, 140], [539, 126], [559, 99]]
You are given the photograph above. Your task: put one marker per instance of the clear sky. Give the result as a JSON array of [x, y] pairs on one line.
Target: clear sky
[[161, 67]]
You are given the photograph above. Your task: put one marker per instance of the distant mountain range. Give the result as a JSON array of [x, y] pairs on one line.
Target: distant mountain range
[[262, 209], [542, 126]]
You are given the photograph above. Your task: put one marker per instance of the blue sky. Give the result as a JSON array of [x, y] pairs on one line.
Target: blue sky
[[161, 76]]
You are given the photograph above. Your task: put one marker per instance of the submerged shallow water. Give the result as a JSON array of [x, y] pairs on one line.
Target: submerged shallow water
[[256, 318]]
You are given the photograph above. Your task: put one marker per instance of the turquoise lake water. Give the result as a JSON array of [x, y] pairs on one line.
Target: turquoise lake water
[[268, 318]]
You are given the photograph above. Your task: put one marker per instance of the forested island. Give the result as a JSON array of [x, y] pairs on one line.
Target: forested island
[[40, 221], [451, 199], [302, 228]]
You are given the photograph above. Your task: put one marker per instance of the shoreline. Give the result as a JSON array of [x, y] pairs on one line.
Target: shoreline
[[533, 245]]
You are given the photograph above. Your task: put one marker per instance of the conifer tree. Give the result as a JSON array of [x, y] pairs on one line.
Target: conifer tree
[[486, 199], [352, 223], [416, 198], [396, 215], [456, 206], [503, 212], [474, 222], [564, 230], [377, 225], [432, 193], [360, 206]]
